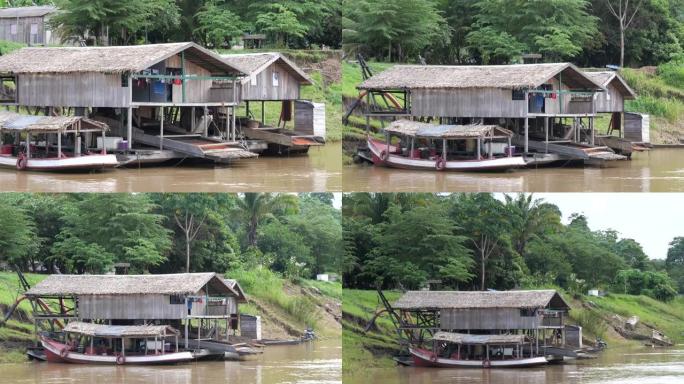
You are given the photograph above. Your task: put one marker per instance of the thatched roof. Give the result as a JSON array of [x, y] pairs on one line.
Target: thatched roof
[[11, 121], [237, 288], [418, 129], [100, 330], [604, 78], [463, 338], [480, 299], [517, 76], [116, 59], [169, 284], [253, 63], [34, 11]]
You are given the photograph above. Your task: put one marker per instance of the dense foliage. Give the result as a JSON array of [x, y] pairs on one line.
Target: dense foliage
[[477, 241], [500, 31], [298, 236], [217, 23]]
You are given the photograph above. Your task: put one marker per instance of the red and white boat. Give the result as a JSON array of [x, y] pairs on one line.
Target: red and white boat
[[43, 148], [114, 344], [454, 350], [414, 145]]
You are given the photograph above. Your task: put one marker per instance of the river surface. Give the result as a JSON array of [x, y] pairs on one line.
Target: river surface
[[659, 170], [318, 362], [319, 171], [631, 366]]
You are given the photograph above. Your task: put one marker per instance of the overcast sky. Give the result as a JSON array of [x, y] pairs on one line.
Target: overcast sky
[[652, 219]]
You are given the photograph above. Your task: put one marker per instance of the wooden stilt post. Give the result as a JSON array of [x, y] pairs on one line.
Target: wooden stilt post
[[591, 128], [161, 128], [129, 126], [59, 145], [527, 133], [232, 123], [546, 133], [263, 114], [478, 147], [206, 122]]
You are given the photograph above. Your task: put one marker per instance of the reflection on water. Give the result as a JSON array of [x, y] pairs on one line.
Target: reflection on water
[[319, 362], [659, 170], [634, 366], [320, 171]]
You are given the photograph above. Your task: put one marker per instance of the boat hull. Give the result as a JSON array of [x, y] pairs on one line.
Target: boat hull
[[394, 161], [53, 353], [80, 163], [424, 358]]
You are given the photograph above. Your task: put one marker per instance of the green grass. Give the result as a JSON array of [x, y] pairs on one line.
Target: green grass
[[269, 286], [9, 46], [366, 350], [327, 288], [12, 355], [351, 76]]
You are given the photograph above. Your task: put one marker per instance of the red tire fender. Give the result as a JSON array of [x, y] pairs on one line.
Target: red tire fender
[[64, 352], [440, 164], [384, 155], [22, 161], [121, 360], [486, 364]]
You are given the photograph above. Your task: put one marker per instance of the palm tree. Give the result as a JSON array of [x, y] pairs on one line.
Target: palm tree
[[531, 217], [254, 208]]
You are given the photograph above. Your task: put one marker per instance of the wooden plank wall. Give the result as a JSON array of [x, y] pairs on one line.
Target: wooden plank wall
[[483, 102], [610, 101], [287, 89], [23, 34], [72, 90], [487, 318], [129, 307]]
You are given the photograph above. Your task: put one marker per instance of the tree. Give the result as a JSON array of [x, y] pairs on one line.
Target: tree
[[253, 208], [674, 263], [280, 22], [218, 25], [531, 218], [18, 240], [633, 254], [113, 20], [625, 15], [483, 219], [106, 228], [289, 251]]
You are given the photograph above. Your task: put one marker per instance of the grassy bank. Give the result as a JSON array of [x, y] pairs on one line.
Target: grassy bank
[[598, 316], [287, 308]]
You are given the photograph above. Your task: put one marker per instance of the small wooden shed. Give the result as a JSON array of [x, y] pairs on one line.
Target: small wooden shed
[[612, 99], [27, 25], [270, 76]]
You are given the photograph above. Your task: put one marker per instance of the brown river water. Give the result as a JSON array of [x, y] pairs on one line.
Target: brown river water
[[317, 362], [319, 171], [659, 170], [631, 366]]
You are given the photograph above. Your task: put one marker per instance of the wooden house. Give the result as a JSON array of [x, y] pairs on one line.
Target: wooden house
[[612, 100], [157, 81], [127, 299], [524, 97], [27, 25], [274, 79], [541, 314]]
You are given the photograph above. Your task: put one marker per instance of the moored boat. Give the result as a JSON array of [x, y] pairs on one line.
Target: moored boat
[[43, 148], [451, 350], [445, 147], [115, 344]]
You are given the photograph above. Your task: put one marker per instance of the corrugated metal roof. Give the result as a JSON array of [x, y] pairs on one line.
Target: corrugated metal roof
[[480, 299], [34, 11]]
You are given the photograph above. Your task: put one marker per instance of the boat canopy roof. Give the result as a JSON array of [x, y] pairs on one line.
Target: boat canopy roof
[[116, 331], [418, 129], [10, 121], [463, 338]]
